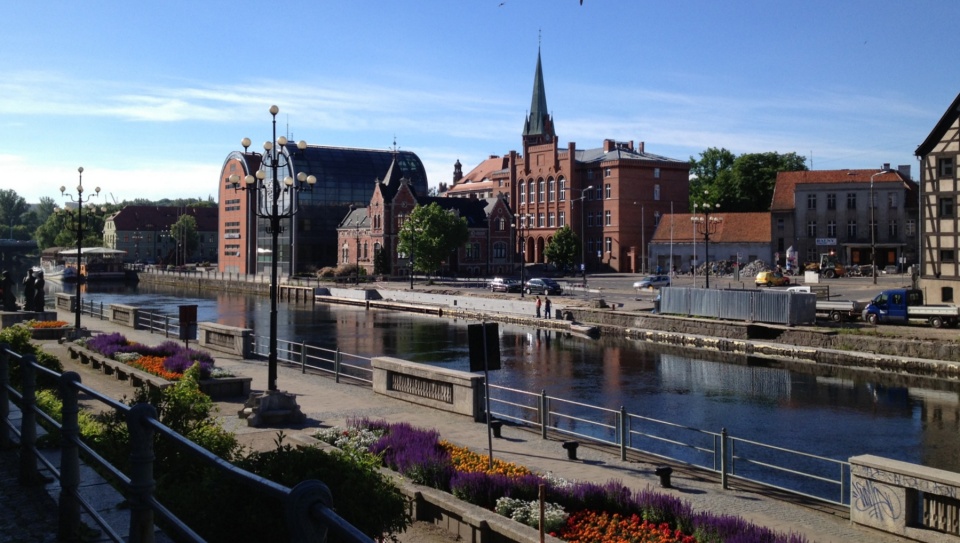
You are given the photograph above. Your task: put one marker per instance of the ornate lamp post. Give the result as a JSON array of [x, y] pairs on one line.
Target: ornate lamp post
[[356, 225], [706, 226], [276, 201], [583, 243], [80, 201], [521, 247]]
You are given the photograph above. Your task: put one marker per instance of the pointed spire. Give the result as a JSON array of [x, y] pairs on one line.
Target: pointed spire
[[539, 126]]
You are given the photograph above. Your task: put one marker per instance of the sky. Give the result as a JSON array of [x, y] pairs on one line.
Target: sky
[[150, 97]]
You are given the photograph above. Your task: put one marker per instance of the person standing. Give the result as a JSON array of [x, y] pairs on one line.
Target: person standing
[[546, 307], [538, 307], [29, 290], [38, 301], [6, 291]]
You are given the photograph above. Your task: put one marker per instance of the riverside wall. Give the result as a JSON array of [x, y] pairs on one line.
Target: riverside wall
[[818, 345]]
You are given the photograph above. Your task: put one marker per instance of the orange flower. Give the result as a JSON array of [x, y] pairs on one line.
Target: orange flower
[[154, 365]]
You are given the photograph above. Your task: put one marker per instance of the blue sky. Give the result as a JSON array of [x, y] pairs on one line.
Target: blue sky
[[150, 97]]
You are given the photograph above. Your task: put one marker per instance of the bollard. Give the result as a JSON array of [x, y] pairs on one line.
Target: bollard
[[664, 472], [496, 425], [571, 447]]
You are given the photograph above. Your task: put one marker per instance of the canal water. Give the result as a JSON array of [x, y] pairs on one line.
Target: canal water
[[826, 411]]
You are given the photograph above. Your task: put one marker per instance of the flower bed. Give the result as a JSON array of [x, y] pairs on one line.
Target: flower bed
[[157, 366], [47, 329], [576, 511]]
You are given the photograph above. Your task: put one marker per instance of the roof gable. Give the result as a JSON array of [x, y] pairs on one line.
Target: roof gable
[[937, 134], [734, 228]]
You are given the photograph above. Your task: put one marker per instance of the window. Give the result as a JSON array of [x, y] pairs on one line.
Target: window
[[892, 200], [608, 218], [946, 255], [608, 243], [608, 191], [551, 220], [551, 190], [521, 193], [499, 250], [540, 220], [945, 167], [851, 200], [589, 175], [812, 201], [541, 185], [656, 173], [501, 224], [656, 192], [892, 229], [851, 229], [780, 224], [590, 219], [911, 228], [831, 201], [946, 207], [562, 219], [812, 229], [345, 253], [831, 229], [469, 251], [563, 190], [607, 172], [530, 192], [656, 219], [599, 193]]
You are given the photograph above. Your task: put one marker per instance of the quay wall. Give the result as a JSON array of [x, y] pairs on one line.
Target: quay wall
[[807, 344]]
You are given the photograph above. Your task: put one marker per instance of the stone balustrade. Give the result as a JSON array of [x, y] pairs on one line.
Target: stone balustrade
[[225, 339], [455, 391], [906, 499]]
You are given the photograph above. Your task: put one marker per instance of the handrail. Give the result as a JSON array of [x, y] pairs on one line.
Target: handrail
[[309, 499]]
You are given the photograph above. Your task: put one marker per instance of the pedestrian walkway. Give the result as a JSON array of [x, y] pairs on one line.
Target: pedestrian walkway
[[327, 403]]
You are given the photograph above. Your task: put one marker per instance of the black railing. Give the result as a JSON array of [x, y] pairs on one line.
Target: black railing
[[309, 502]]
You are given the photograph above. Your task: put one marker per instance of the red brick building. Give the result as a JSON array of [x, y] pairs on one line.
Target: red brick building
[[367, 231], [612, 197]]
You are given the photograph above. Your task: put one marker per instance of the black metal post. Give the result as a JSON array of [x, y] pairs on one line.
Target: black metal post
[[80, 201]]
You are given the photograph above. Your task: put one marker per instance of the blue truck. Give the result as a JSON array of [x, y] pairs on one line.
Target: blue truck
[[901, 305]]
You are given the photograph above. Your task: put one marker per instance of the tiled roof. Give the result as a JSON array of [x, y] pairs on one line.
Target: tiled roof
[[734, 228], [137, 217], [785, 188], [940, 129], [599, 155]]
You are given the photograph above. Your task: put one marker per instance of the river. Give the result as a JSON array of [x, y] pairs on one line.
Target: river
[[827, 411]]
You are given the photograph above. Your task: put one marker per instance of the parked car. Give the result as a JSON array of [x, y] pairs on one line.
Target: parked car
[[503, 284], [653, 281], [771, 279], [543, 285]]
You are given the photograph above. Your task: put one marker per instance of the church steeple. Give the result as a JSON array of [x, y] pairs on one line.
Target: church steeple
[[538, 127]]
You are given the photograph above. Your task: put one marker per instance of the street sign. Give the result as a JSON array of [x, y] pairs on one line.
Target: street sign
[[826, 241]]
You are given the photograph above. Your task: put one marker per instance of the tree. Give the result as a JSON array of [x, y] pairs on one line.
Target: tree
[[184, 231], [13, 215], [743, 183], [430, 234], [563, 249]]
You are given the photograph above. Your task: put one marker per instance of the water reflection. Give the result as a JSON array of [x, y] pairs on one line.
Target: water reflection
[[829, 411]]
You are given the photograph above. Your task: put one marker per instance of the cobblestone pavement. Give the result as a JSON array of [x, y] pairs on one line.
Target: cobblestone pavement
[[27, 513]]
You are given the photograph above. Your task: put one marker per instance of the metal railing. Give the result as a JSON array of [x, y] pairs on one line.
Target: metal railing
[[785, 469], [319, 359], [311, 498], [161, 323]]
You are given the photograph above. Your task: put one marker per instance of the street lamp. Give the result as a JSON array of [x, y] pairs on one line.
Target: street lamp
[[522, 246], [275, 201], [706, 226], [873, 226], [583, 245], [79, 200]]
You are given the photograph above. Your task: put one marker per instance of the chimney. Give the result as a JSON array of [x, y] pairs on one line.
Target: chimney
[[609, 145], [640, 148], [886, 165], [904, 170]]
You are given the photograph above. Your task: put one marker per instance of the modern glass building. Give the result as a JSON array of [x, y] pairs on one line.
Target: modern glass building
[[345, 177]]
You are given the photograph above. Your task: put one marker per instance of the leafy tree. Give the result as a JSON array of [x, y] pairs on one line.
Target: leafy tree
[[381, 264], [563, 248], [14, 215], [185, 232], [430, 235], [743, 183]]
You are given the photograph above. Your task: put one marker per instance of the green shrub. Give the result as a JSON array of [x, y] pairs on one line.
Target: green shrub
[[19, 338]]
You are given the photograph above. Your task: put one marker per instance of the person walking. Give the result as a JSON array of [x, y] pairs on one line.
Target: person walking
[[538, 307], [546, 307]]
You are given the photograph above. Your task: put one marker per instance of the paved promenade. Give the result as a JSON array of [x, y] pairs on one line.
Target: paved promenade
[[327, 403]]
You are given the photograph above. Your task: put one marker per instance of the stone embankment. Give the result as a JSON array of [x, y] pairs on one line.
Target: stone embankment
[[911, 350]]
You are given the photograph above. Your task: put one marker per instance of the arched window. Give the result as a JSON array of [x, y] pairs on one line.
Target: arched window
[[521, 192], [531, 188], [540, 193], [563, 189], [551, 189]]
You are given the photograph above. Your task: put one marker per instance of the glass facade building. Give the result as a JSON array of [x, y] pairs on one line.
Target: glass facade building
[[345, 177]]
